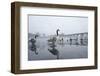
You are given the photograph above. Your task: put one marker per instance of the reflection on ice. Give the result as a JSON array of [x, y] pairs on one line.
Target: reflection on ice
[[52, 45], [70, 46]]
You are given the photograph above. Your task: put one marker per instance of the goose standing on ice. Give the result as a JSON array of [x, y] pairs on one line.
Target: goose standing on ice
[[59, 39]]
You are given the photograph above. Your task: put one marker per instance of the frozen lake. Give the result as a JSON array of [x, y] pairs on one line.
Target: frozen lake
[[63, 51]]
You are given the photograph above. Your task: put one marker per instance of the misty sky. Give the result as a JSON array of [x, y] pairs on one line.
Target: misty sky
[[49, 24]]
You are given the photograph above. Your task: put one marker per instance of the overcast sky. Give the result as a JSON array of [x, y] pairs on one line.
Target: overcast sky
[[49, 24]]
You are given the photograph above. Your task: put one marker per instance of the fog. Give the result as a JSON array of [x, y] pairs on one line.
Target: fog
[[49, 24]]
